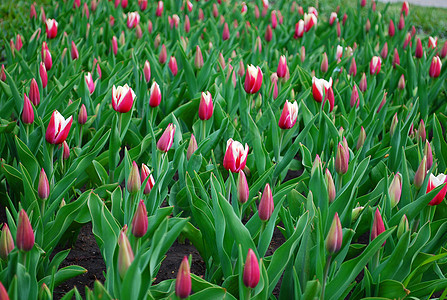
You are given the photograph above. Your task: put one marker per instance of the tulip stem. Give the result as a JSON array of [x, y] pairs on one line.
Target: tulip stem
[[120, 121], [203, 130], [51, 155], [27, 134], [80, 136], [42, 207], [247, 293], [339, 182], [326, 271]]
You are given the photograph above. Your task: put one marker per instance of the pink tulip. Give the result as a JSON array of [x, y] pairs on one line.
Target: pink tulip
[[163, 54], [51, 28], [407, 40], [252, 273], [122, 98], [334, 238], [289, 115], [167, 138], [353, 67], [324, 63], [140, 221], [309, 21], [173, 65], [125, 253], [405, 8], [242, 188], [205, 106], [419, 50], [58, 128], [342, 159], [82, 116], [384, 51], [391, 29], [25, 234], [432, 42], [155, 95], [374, 66], [145, 172], [401, 23], [33, 13], [235, 156], [319, 88], [332, 18], [226, 32], [299, 29], [159, 10], [355, 100], [147, 71], [435, 67], [34, 93], [114, 45], [282, 67], [378, 226], [266, 205], [396, 59], [133, 19], [434, 182], [3, 74], [90, 83], [183, 280], [43, 75], [253, 79], [6, 246], [28, 112]]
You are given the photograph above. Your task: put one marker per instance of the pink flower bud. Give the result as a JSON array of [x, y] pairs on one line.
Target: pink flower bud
[[66, 151], [124, 3], [147, 71], [51, 28], [303, 54], [363, 3], [282, 67], [89, 82], [58, 128], [396, 59], [421, 133], [125, 253], [173, 65], [378, 226], [309, 21], [43, 75], [163, 54], [226, 32], [187, 24], [252, 273], [94, 5], [242, 188], [334, 238], [183, 281], [266, 205], [330, 185], [361, 139], [140, 221], [444, 50], [391, 29], [403, 226], [159, 10], [19, 43], [289, 115], [432, 42], [374, 66], [138, 32], [332, 18], [353, 67], [43, 189], [384, 51], [134, 179], [232, 74], [367, 26], [401, 83], [394, 123], [198, 58], [155, 95], [27, 112], [34, 93], [419, 50], [33, 13], [122, 98], [215, 10], [205, 106], [363, 85], [401, 23], [429, 154], [133, 19], [341, 160], [435, 67], [145, 172], [319, 88], [434, 182], [268, 34], [338, 25], [395, 190], [25, 234], [407, 40], [419, 176], [192, 147], [74, 51], [355, 100], [167, 138], [324, 63], [3, 74], [82, 115], [235, 156], [299, 29], [405, 8], [253, 79], [114, 45], [6, 244]]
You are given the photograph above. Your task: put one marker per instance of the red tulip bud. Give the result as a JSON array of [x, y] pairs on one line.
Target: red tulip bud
[[268, 34], [3, 293], [167, 139], [125, 254], [353, 67], [82, 115], [334, 238], [435, 67], [341, 160], [192, 147], [173, 65], [147, 71], [407, 40], [155, 95], [3, 74], [89, 82], [363, 83], [134, 180], [394, 123], [405, 8], [51, 28], [421, 130], [43, 189], [140, 221], [434, 182], [378, 226], [330, 185], [32, 15], [299, 29], [27, 112], [289, 115], [444, 50], [159, 10], [163, 54], [251, 270], [114, 45], [396, 59], [66, 151], [145, 172], [242, 188], [401, 23], [74, 51], [183, 281], [384, 51], [266, 205], [122, 98], [226, 32], [25, 234], [391, 29], [375, 64], [432, 42], [401, 83], [324, 63], [253, 79], [6, 243], [429, 154], [205, 106], [355, 100], [419, 50], [34, 93], [395, 190]]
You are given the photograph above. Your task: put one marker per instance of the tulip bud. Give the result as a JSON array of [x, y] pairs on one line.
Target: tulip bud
[[125, 254], [391, 29], [134, 180], [356, 212], [82, 115], [396, 59], [405, 8], [330, 185], [3, 74], [332, 18], [407, 40], [303, 54], [150, 28], [25, 234], [232, 74], [266, 205], [122, 98], [27, 112], [334, 238], [163, 55], [361, 139], [378, 226], [206, 106], [435, 67], [242, 188], [419, 176], [363, 3], [395, 190], [3, 292], [145, 172], [140, 221], [421, 130], [367, 26], [159, 10], [253, 79], [338, 25], [434, 182], [124, 3], [419, 50], [444, 50], [198, 58], [89, 82], [251, 274], [183, 281], [225, 32], [299, 29], [341, 160], [173, 65], [355, 100], [235, 156], [384, 51], [114, 45], [167, 138], [353, 67], [289, 115], [401, 23], [51, 28], [403, 226], [428, 153], [393, 124], [147, 71], [309, 21], [34, 94], [401, 83], [316, 165], [324, 63], [432, 42], [32, 15], [6, 243], [374, 66], [74, 51], [43, 187], [363, 83], [155, 95], [192, 147]]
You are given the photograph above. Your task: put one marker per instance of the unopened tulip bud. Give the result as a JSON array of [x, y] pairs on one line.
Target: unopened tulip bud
[[299, 29], [407, 40], [253, 79], [324, 63], [334, 238], [145, 172], [316, 165], [155, 95], [396, 59], [363, 3], [3, 74], [435, 67], [384, 51], [332, 18], [353, 67], [367, 26], [338, 25], [403, 226], [183, 281], [125, 254], [419, 176], [444, 50], [421, 130], [401, 83], [355, 99], [303, 54], [206, 106], [330, 185], [361, 139], [266, 205], [89, 82], [375, 64], [192, 147], [159, 10], [378, 226], [242, 188], [25, 234], [27, 112], [432, 42], [33, 13], [114, 45], [405, 8], [341, 160], [268, 34], [428, 153], [401, 23], [6, 243], [395, 190], [66, 151], [163, 54], [309, 21], [289, 115], [363, 85], [124, 3], [419, 50], [43, 189], [251, 273], [147, 71], [140, 221], [394, 123], [391, 29], [134, 179], [34, 94], [74, 51], [356, 212], [198, 58], [167, 138], [82, 115], [226, 32], [51, 28]]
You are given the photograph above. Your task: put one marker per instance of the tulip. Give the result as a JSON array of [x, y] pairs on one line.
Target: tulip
[[367, 26], [155, 95], [43, 189], [235, 156], [299, 29], [192, 147], [405, 8], [58, 128], [407, 40], [444, 50], [268, 33], [3, 293], [395, 190], [122, 98], [353, 67], [163, 54], [316, 165], [140, 221], [187, 24], [19, 43], [289, 115], [274, 19], [65, 151], [363, 83], [403, 226], [147, 71], [98, 70], [334, 238], [251, 274], [378, 226], [391, 29], [232, 74], [133, 18], [226, 32], [198, 58], [355, 100], [429, 154], [258, 45], [396, 59], [266, 205], [432, 42], [134, 180], [401, 23], [189, 6], [309, 21], [159, 10], [3, 74], [332, 18], [33, 13], [150, 27], [34, 94], [43, 75], [401, 83], [27, 112], [394, 123], [74, 51], [114, 45], [125, 254], [435, 67], [90, 83], [384, 51], [257, 13], [339, 53], [6, 243], [183, 281], [46, 57], [145, 172], [341, 160], [173, 65], [82, 115], [419, 176], [421, 130], [242, 188], [319, 87], [356, 212], [330, 185], [25, 234], [303, 54], [167, 138], [338, 25], [361, 139], [282, 66], [215, 11], [363, 3], [205, 106], [434, 182], [324, 63], [274, 80], [419, 51], [51, 28], [142, 4], [374, 66], [253, 79]]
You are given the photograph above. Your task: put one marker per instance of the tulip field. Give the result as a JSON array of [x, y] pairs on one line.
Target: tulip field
[[282, 150]]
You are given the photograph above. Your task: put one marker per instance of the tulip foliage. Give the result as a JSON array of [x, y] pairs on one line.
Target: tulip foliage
[[228, 126]]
